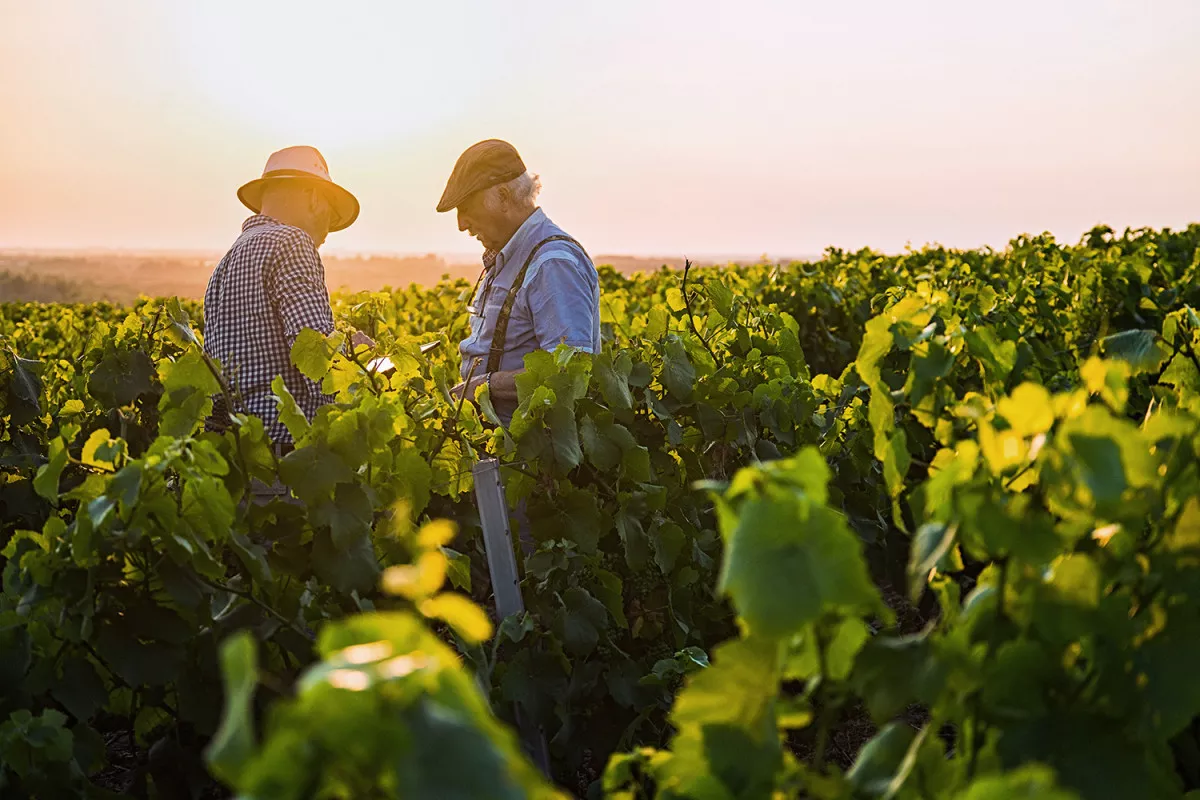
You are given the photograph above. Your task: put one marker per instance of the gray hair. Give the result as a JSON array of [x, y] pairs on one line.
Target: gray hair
[[524, 190]]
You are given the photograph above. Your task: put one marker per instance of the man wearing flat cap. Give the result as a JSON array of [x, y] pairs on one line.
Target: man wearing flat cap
[[271, 285], [538, 289]]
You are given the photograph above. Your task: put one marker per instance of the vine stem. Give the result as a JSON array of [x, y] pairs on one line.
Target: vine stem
[[457, 412], [249, 595], [826, 721], [978, 727], [353, 358], [687, 304]]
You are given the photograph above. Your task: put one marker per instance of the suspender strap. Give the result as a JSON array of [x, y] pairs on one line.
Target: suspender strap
[[496, 353]]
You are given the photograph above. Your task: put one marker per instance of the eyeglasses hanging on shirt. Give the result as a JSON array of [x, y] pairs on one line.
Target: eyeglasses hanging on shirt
[[489, 261]]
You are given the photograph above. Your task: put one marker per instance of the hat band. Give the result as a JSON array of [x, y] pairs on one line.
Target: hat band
[[495, 179], [294, 173], [504, 177]]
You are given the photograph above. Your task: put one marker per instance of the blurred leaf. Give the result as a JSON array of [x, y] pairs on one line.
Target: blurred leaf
[[232, 748], [466, 618], [788, 563]]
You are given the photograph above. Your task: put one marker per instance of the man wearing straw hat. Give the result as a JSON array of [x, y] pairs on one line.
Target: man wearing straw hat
[[538, 287], [271, 285]]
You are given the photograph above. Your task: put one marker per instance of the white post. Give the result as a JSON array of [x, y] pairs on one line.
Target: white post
[[497, 538], [506, 584]]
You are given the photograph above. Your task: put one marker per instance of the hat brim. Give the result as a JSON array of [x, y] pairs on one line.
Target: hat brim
[[345, 205], [458, 189]]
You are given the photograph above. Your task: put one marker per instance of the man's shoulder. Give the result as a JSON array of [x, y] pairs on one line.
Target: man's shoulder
[[271, 237], [561, 249]]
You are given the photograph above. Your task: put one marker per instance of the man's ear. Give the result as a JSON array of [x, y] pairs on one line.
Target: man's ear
[[318, 204]]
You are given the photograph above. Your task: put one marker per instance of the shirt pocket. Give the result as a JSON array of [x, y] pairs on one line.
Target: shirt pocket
[[493, 303]]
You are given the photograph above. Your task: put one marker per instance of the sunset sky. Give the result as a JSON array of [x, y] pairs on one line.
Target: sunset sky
[[658, 127]]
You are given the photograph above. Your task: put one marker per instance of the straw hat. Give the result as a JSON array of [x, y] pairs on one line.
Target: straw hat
[[305, 165]]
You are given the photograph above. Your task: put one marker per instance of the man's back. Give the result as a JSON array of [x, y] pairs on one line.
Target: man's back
[[267, 288]]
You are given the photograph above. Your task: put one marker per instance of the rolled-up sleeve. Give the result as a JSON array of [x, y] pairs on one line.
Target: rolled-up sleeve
[[296, 285], [564, 302]]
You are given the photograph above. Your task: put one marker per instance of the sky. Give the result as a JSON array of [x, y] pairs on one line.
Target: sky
[[659, 128]]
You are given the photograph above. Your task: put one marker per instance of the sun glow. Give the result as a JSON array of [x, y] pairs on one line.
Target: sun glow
[[322, 72]]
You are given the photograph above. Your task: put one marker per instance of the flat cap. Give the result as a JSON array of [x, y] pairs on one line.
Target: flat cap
[[482, 166]]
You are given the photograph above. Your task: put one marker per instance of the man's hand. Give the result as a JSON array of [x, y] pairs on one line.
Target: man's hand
[[360, 339], [468, 388]]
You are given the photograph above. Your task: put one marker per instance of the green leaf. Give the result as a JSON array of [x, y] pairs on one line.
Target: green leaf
[[208, 507], [668, 540], [721, 296], [805, 471], [1170, 694], [138, 663], [1029, 782], [997, 357], [1101, 467], [678, 376], [931, 362], [289, 411], [24, 390], [1069, 596], [841, 649], [579, 518], [609, 592], [349, 515], [232, 748], [613, 380], [635, 464], [1029, 410], [46, 481], [16, 654], [633, 535], [1089, 756], [788, 563], [893, 672], [1183, 375], [81, 690], [930, 545], [97, 451], [312, 354], [1138, 348], [452, 756], [313, 472], [564, 436], [189, 372], [347, 568], [580, 621], [121, 378], [880, 759], [725, 718], [180, 328], [458, 569], [126, 485], [412, 479], [602, 451]]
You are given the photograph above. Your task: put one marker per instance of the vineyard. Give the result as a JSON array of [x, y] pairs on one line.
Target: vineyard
[[921, 526]]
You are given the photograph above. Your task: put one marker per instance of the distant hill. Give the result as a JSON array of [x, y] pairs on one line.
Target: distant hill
[[121, 277]]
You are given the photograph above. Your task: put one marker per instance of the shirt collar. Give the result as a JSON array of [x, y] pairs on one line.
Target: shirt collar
[[259, 219], [506, 252]]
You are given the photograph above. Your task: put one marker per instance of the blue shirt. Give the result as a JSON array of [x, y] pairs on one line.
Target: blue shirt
[[558, 302]]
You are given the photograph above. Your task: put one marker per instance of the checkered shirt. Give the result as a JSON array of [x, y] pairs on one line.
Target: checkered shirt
[[267, 288]]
